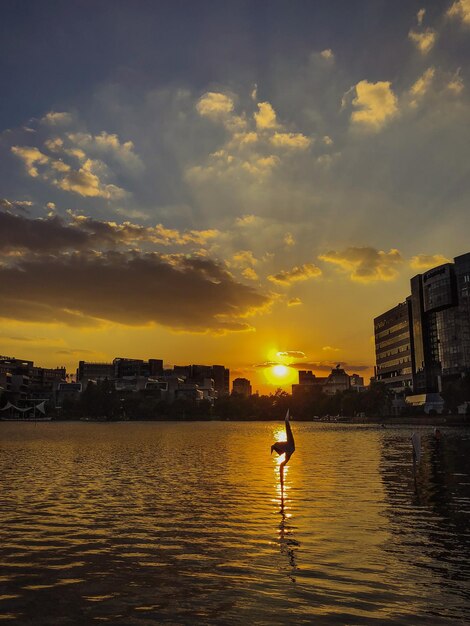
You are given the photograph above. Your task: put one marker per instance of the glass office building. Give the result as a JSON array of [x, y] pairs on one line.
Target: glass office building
[[393, 347], [438, 312]]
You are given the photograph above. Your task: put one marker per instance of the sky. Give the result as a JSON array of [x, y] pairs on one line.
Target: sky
[[243, 183]]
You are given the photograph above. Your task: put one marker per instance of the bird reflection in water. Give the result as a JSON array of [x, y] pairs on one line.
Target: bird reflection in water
[[287, 543]]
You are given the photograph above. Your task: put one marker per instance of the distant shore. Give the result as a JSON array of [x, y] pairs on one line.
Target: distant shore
[[421, 420], [424, 420]]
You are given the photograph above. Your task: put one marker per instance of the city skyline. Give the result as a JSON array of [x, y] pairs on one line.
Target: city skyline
[[246, 185]]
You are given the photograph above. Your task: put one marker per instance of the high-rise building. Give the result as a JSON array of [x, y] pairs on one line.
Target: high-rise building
[[241, 386], [221, 376], [436, 316], [393, 352]]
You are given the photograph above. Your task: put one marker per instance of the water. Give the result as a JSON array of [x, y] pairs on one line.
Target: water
[[183, 523]]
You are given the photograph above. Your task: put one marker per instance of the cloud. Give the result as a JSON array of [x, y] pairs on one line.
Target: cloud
[[460, 10], [244, 258], [422, 86], [289, 239], [23, 339], [31, 157], [246, 220], [456, 84], [57, 118], [215, 105], [426, 261], [420, 16], [83, 232], [74, 351], [185, 294], [38, 235], [327, 55], [15, 205], [104, 145], [330, 349], [294, 141], [291, 354], [129, 233], [246, 154], [265, 118], [424, 40], [79, 162], [376, 105], [366, 264], [250, 273], [327, 366], [294, 302], [83, 181], [298, 273]]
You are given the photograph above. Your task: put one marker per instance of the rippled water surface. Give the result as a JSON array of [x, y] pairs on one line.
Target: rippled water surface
[[184, 523]]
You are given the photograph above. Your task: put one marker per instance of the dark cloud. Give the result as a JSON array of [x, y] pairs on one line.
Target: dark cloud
[[81, 232], [128, 288], [327, 366], [266, 364], [21, 338], [39, 235]]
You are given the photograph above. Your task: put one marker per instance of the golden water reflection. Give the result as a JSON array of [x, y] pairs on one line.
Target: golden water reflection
[[187, 523]]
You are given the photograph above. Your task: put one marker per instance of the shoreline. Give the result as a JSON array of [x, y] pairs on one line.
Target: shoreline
[[426, 420]]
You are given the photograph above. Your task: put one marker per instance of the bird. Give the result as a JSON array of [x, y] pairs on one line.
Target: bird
[[285, 447]]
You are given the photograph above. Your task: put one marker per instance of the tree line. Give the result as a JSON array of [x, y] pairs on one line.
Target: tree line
[[102, 401]]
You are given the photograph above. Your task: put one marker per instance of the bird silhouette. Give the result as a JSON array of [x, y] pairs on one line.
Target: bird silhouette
[[285, 447]]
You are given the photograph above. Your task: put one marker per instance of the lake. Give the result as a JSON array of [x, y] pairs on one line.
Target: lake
[[185, 523]]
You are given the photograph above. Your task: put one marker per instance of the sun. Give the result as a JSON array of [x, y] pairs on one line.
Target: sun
[[280, 371], [280, 375]]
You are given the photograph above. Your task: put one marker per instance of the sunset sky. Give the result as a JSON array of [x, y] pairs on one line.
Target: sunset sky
[[239, 183]]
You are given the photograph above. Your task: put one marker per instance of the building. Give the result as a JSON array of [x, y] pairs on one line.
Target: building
[[124, 367], [310, 385], [242, 386], [393, 352], [198, 373], [22, 380], [88, 370], [136, 375], [357, 382], [67, 392], [436, 317], [337, 381], [221, 376]]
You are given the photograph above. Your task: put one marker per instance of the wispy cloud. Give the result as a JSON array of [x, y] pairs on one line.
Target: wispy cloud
[[291, 354], [294, 302], [366, 264], [424, 40], [426, 261], [296, 274]]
